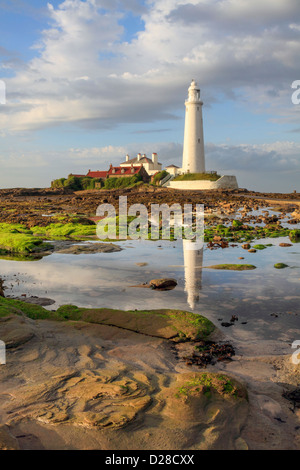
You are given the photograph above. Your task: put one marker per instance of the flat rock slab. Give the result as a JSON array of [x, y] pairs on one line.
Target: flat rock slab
[[15, 331], [89, 248], [42, 301]]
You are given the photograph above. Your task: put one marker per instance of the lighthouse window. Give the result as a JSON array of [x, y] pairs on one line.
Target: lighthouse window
[[197, 108], [198, 141]]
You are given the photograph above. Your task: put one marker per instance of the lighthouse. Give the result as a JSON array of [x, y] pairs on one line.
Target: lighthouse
[[193, 148]]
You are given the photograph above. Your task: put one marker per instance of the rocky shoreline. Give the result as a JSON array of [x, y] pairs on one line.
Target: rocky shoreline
[[81, 385], [108, 379]]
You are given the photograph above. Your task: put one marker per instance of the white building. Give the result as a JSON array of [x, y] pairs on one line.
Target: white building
[[151, 166], [173, 170], [193, 160]]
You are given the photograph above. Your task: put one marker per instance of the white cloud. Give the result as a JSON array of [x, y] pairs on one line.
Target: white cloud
[[86, 74]]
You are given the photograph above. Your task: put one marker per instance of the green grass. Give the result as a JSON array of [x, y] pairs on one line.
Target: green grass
[[197, 176], [17, 307]]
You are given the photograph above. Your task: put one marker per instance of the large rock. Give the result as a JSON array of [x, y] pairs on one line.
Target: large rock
[[90, 248], [163, 283], [15, 331], [214, 404]]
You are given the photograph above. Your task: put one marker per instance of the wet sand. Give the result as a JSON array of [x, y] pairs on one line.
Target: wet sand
[[82, 386]]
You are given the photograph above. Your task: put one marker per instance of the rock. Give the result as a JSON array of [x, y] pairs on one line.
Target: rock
[[86, 399], [280, 266], [1, 288], [202, 399], [42, 301], [232, 267], [285, 244], [246, 246], [163, 283], [252, 250], [89, 248], [15, 331]]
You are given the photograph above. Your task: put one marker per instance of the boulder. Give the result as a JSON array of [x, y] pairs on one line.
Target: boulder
[[163, 283]]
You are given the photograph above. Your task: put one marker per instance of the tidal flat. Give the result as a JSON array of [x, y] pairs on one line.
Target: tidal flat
[[106, 365]]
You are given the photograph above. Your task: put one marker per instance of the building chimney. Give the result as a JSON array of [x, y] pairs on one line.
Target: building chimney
[[154, 158], [138, 157], [127, 158]]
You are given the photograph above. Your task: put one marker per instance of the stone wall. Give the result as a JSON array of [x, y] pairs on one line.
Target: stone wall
[[225, 182]]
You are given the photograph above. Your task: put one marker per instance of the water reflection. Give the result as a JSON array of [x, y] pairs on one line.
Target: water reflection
[[193, 262]]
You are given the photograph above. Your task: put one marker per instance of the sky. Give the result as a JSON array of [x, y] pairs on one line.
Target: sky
[[88, 81]]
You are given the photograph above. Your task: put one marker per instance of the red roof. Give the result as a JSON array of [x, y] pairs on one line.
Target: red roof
[[78, 176], [97, 174], [124, 171]]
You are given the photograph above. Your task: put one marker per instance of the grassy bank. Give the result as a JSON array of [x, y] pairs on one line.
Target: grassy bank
[[197, 176]]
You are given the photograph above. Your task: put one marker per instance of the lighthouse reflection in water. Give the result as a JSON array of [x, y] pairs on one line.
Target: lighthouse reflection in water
[[193, 262]]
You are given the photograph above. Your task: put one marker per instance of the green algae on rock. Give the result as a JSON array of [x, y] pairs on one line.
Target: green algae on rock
[[280, 266], [175, 325], [233, 267], [171, 324], [294, 236], [208, 383]]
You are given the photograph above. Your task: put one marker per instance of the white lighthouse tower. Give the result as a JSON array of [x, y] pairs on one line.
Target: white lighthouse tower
[[193, 148]]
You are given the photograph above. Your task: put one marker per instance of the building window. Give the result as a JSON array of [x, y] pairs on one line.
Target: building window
[[197, 108], [198, 141]]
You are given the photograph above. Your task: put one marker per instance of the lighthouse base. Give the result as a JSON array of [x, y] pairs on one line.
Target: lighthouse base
[[225, 182]]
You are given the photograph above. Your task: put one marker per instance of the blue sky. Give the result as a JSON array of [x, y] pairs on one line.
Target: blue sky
[[91, 80]]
